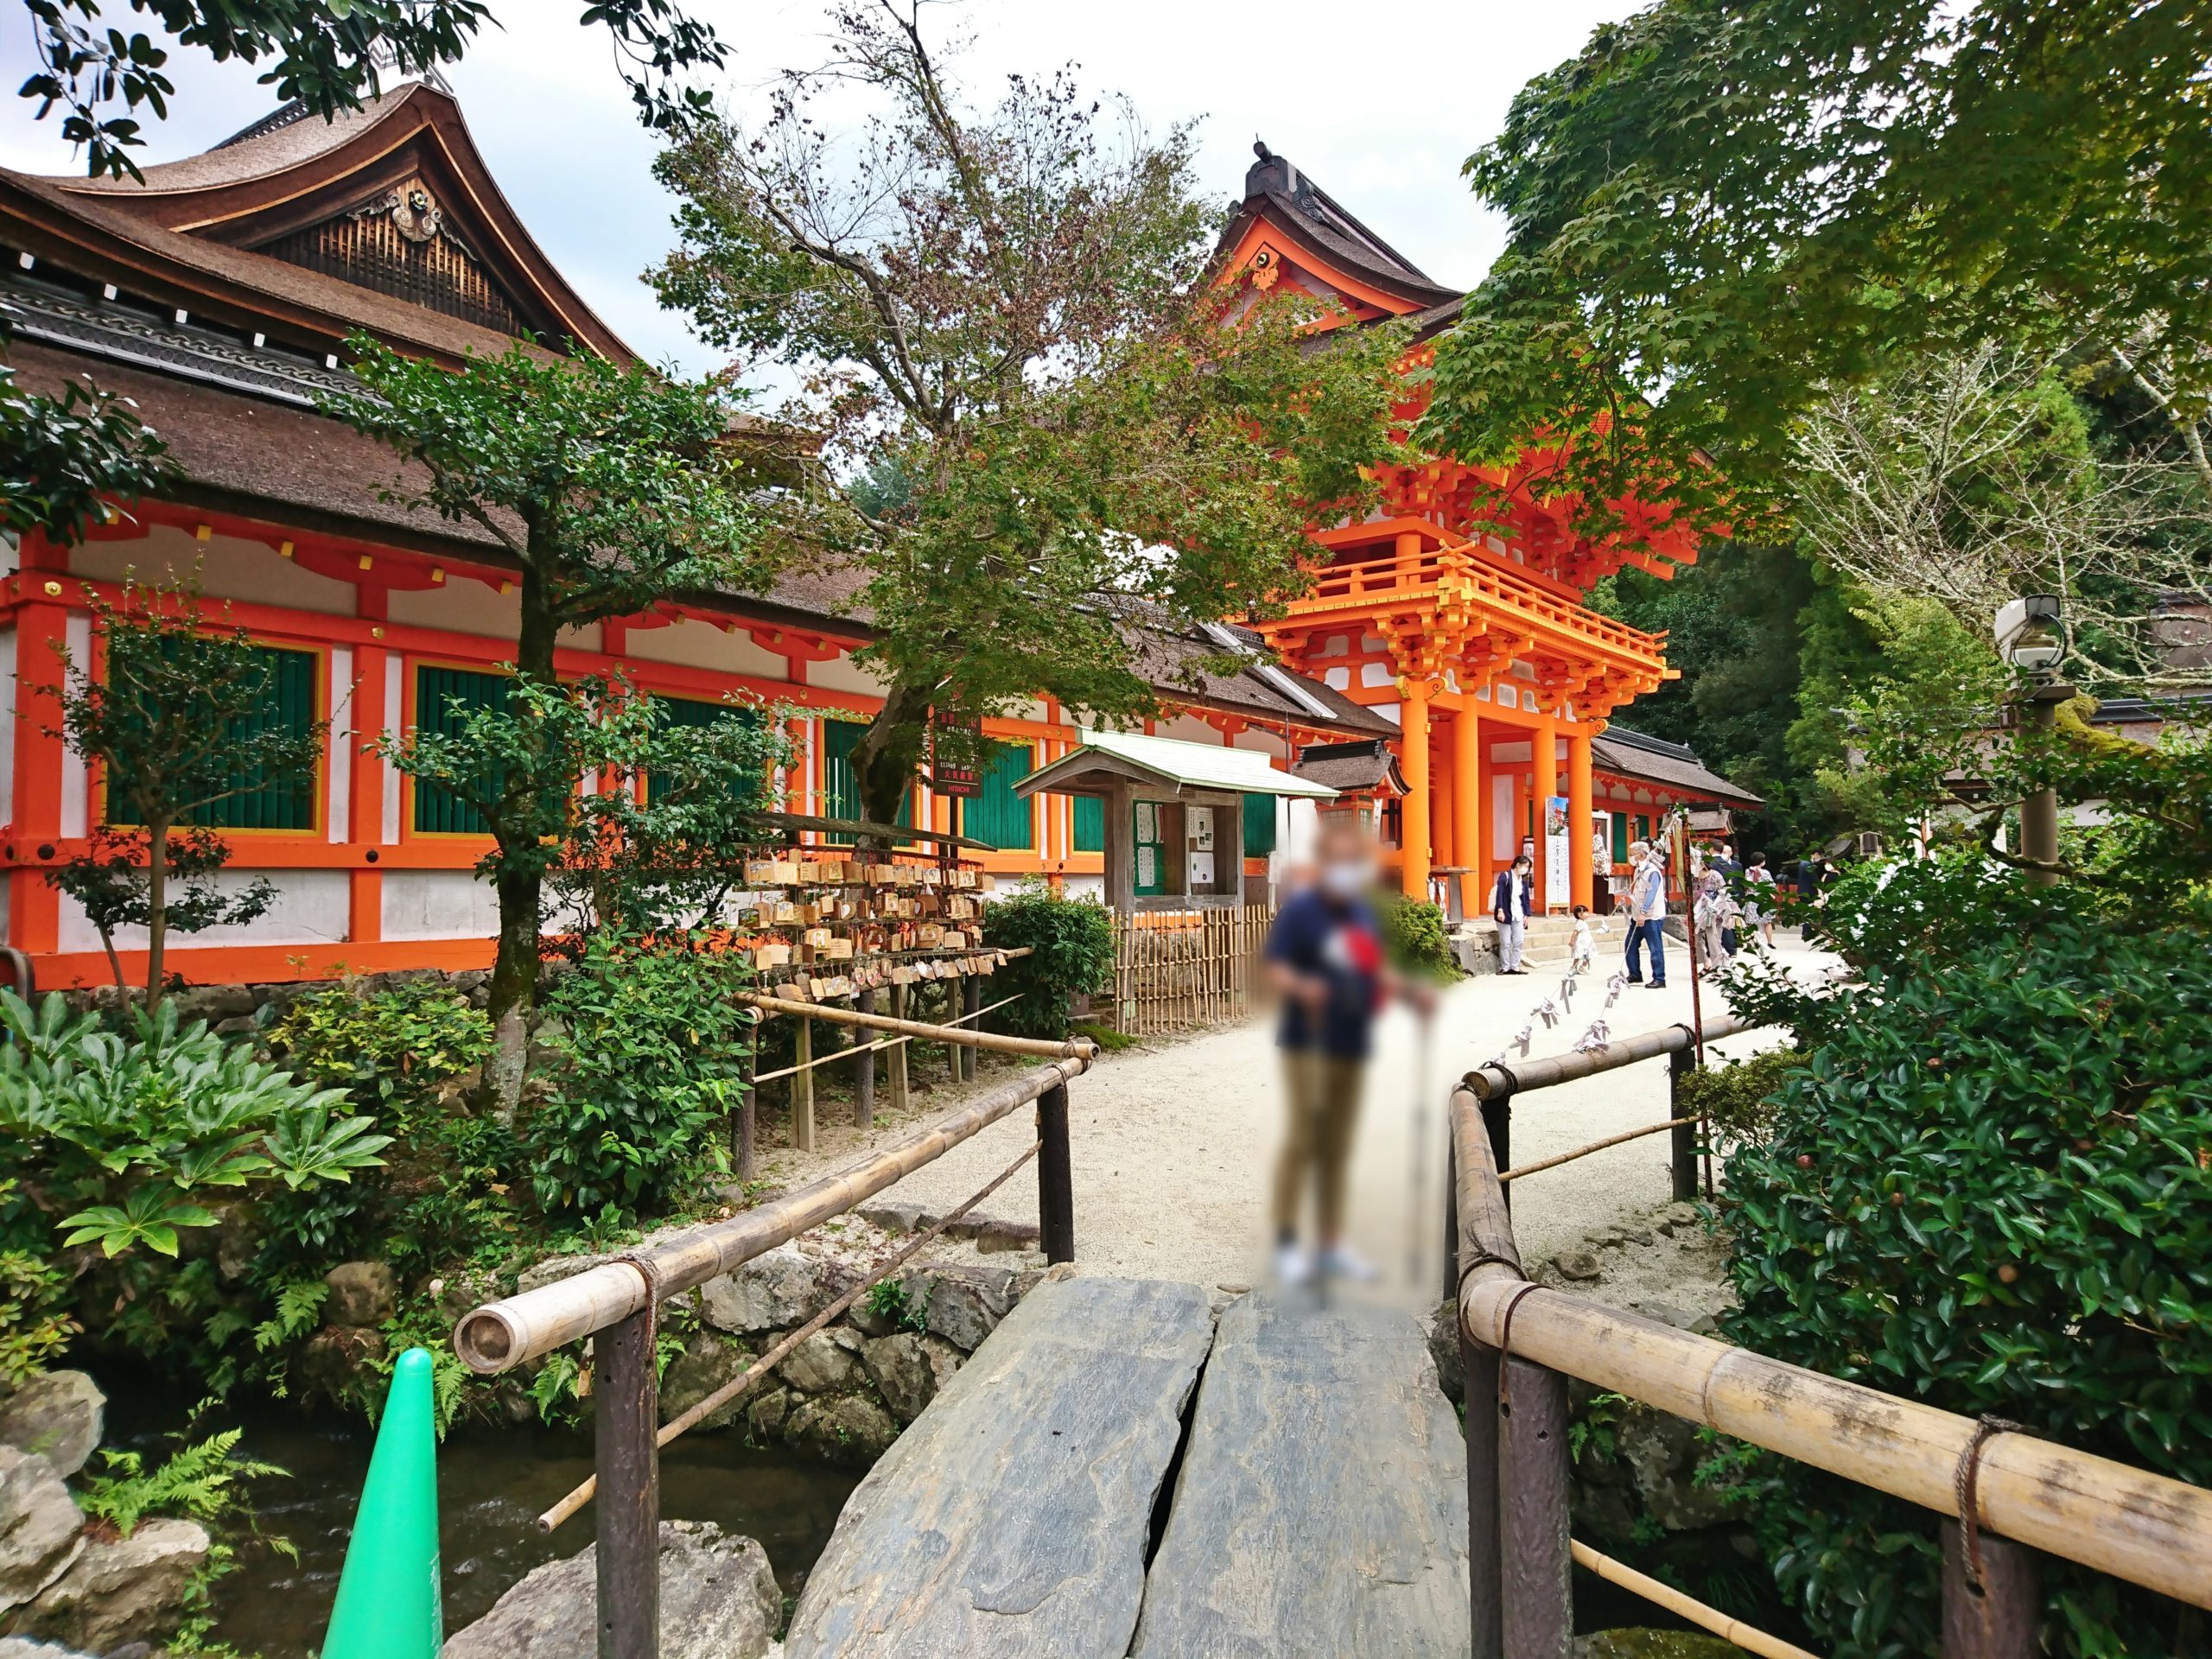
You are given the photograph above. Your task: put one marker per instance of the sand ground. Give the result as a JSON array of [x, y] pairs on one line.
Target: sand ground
[[1174, 1140]]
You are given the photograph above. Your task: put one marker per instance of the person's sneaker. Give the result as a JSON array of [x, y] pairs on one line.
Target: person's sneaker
[[1338, 1263], [1293, 1266]]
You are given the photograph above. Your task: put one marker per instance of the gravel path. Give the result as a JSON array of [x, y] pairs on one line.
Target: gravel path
[[1173, 1141]]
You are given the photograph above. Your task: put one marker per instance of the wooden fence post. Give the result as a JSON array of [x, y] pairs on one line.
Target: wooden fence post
[[627, 1409], [1497, 1123], [1535, 1571], [864, 1067], [803, 1088], [1682, 1151], [1055, 1178], [2001, 1616], [971, 1000], [1478, 1368], [899, 1101], [742, 1151]]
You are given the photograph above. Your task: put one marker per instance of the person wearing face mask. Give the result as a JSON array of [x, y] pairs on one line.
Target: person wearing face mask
[[1510, 906], [1325, 958]]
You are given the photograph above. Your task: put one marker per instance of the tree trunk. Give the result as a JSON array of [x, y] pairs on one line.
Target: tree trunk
[[157, 901], [884, 758], [114, 962], [513, 989]]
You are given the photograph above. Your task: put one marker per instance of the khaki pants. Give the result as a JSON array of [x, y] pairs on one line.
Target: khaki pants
[[1324, 1096]]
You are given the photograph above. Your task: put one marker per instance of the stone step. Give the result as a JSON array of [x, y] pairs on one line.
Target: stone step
[[1321, 1506], [1011, 1519]]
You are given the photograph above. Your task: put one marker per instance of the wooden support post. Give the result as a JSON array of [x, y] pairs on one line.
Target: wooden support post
[[1683, 1141], [1535, 1571], [972, 1003], [1451, 1213], [626, 1406], [864, 1069], [1999, 1618], [1485, 1547], [1497, 1123], [803, 1088], [898, 1103], [1055, 1178]]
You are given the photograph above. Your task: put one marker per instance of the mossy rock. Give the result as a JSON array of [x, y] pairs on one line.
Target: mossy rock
[[1656, 1644]]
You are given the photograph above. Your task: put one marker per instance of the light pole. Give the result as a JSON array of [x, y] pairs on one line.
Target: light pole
[[2032, 638]]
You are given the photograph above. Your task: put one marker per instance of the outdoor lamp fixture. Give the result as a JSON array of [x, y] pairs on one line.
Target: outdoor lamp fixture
[[2031, 633]]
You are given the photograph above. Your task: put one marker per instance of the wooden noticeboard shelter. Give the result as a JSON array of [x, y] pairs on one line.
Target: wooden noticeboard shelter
[[1175, 814]]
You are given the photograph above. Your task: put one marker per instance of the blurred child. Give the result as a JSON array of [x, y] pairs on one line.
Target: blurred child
[[1582, 949]]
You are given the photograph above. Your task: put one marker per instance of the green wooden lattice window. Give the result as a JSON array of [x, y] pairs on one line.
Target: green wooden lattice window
[[1620, 837], [998, 814], [1259, 825], [692, 713], [1090, 825], [841, 787], [266, 800], [444, 699]]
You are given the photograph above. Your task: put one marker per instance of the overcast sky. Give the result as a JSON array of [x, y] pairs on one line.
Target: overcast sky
[[1379, 107]]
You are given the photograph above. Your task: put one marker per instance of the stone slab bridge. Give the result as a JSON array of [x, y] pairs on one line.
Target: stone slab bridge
[[1116, 1470], [1117, 1473]]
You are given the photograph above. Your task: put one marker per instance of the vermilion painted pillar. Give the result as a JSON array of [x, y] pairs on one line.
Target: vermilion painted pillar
[[1413, 744], [1443, 798], [1581, 865], [365, 791], [1467, 847], [1544, 782], [35, 908]]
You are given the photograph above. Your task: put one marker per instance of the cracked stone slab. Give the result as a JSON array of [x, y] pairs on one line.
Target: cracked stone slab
[[1011, 1519], [1321, 1507]]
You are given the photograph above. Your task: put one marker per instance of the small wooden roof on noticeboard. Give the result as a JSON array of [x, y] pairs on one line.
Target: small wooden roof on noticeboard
[[1168, 763]]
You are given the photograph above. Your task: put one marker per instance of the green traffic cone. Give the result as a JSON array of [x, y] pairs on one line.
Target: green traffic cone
[[388, 1604]]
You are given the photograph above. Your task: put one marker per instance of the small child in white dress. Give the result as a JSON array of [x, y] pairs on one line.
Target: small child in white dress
[[1582, 950]]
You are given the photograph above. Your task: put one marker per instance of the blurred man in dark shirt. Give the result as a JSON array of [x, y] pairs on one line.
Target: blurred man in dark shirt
[[1325, 958]]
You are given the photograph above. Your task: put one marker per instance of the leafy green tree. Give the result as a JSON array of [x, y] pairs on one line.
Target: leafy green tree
[[611, 488], [174, 717], [111, 883], [1041, 423], [329, 56], [1721, 210], [63, 456]]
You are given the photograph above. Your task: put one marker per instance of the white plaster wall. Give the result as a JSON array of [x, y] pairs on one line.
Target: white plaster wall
[[77, 633], [1092, 887], [1504, 839], [394, 682], [459, 606], [229, 569], [310, 908], [1267, 742], [439, 904], [340, 817], [1390, 711], [1339, 677], [1188, 729], [843, 674], [1378, 674], [690, 643]]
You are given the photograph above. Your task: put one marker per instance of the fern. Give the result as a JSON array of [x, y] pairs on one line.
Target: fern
[[298, 1303], [555, 1382], [195, 1484]]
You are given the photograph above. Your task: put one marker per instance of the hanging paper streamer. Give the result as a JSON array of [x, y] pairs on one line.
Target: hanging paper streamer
[[1594, 1038], [1547, 1011], [1526, 1035]]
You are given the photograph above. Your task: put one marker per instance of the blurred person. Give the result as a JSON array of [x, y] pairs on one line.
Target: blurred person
[[1582, 949], [1758, 899], [1511, 902], [1647, 916], [1713, 915], [1324, 955]]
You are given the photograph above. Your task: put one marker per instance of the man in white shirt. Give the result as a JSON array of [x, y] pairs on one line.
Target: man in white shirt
[[1647, 913]]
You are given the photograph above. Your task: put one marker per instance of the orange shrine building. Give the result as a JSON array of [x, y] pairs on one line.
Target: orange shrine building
[[1455, 610], [217, 295]]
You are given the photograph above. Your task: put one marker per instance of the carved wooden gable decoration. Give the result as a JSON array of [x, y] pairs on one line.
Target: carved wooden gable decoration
[[400, 242]]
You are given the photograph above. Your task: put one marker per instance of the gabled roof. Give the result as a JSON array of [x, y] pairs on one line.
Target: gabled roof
[[1671, 767], [1326, 239], [1351, 766], [226, 231], [1166, 762]]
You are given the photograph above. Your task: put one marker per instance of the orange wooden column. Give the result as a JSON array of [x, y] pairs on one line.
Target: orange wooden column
[[1443, 796], [1413, 857], [35, 908], [364, 792], [1543, 744], [1468, 804], [1580, 867]]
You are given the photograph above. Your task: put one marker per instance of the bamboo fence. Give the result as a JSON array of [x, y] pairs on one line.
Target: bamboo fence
[[1178, 971]]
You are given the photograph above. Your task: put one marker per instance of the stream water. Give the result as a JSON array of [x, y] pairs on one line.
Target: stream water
[[493, 1484]]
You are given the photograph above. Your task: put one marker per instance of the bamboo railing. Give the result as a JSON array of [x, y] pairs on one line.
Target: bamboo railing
[[1520, 1343]]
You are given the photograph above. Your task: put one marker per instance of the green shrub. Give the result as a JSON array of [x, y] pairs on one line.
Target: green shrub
[[1985, 1188], [1737, 1098], [649, 1049], [1072, 946], [1413, 939], [392, 1047]]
